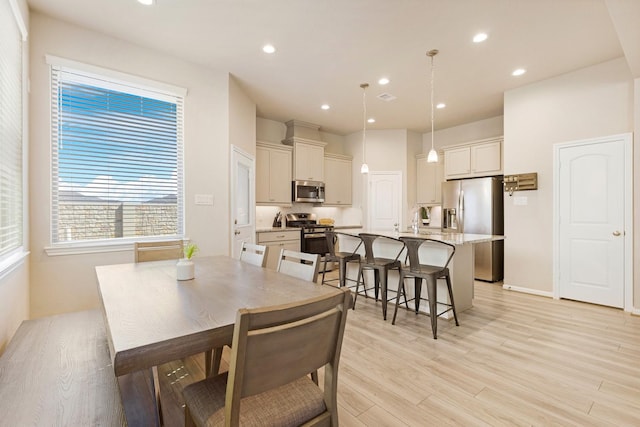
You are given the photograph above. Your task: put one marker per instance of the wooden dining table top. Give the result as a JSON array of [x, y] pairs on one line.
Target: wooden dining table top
[[152, 318]]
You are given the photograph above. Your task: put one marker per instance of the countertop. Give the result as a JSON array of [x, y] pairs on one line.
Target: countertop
[[435, 234], [276, 229]]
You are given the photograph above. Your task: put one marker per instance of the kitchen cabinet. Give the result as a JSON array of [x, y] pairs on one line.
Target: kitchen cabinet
[[273, 174], [308, 159], [337, 179], [277, 240], [429, 180], [481, 158]]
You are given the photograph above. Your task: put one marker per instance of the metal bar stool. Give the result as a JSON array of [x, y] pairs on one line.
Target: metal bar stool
[[431, 273], [380, 266], [342, 258]]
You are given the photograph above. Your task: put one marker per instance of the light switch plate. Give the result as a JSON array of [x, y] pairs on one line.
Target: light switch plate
[[204, 199]]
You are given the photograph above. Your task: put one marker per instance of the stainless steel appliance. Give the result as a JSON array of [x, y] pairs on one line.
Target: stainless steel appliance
[[477, 206], [312, 238], [307, 191]]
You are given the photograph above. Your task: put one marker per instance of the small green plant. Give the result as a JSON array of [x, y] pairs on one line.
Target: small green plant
[[190, 250]]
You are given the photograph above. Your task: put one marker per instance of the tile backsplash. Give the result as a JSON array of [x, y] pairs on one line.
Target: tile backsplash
[[342, 216]]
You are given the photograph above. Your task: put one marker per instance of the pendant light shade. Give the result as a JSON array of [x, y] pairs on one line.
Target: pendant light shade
[[432, 157], [364, 169]]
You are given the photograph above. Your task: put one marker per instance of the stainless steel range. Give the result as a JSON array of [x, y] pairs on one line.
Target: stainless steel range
[[312, 238]]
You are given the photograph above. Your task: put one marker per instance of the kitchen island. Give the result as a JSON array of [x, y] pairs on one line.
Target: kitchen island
[[461, 267]]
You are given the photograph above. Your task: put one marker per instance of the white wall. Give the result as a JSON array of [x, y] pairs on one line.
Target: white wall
[[14, 285], [67, 283], [587, 103]]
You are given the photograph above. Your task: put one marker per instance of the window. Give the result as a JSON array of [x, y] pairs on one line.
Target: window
[[11, 126], [117, 159]]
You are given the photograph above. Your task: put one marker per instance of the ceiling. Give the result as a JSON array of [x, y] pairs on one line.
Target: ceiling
[[327, 48]]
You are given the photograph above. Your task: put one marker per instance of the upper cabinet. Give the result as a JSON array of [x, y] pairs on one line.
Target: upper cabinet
[[337, 179], [308, 150], [429, 177], [482, 158], [273, 174], [308, 159]]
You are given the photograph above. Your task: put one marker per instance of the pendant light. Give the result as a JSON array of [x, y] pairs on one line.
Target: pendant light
[[365, 168], [432, 157]]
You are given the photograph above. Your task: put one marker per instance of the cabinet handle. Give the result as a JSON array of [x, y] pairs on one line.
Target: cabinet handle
[[616, 233]]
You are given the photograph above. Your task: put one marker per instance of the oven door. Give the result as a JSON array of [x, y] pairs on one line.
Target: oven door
[[314, 243]]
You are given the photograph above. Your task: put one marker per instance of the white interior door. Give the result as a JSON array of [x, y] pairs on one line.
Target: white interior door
[[591, 222], [243, 214], [385, 200]]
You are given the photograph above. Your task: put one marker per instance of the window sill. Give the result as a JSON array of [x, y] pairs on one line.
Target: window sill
[[12, 262], [100, 246]]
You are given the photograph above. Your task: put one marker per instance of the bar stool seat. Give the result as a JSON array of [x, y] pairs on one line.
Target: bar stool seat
[[341, 257], [380, 266], [431, 274]]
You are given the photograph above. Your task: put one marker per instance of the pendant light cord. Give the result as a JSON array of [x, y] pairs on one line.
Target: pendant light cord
[[432, 112], [364, 87]]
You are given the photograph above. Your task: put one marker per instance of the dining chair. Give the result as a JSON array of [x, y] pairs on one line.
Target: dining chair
[[253, 254], [419, 270], [299, 264], [273, 350], [343, 258], [379, 265], [157, 251]]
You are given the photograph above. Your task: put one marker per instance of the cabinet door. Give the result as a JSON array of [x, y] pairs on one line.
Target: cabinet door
[[457, 162], [486, 158], [337, 178], [309, 162], [263, 172], [273, 251], [429, 182], [280, 177]]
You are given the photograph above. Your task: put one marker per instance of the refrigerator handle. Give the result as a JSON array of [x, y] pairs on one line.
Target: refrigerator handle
[[460, 215]]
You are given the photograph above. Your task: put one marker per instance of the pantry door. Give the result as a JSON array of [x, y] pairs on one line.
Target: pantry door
[[593, 228], [385, 200]]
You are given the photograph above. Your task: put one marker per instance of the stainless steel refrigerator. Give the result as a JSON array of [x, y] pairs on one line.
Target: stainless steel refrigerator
[[477, 206]]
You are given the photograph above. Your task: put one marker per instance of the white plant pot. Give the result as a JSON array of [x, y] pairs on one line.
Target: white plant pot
[[185, 269]]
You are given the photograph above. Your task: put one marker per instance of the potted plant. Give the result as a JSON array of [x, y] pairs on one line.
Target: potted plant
[[185, 268]]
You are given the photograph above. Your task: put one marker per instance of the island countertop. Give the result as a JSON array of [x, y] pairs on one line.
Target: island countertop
[[452, 238]]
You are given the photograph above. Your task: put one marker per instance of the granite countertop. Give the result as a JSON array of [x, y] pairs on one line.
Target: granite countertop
[[275, 229], [435, 234]]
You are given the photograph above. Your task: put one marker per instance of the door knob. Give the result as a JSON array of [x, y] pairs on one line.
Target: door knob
[[616, 233]]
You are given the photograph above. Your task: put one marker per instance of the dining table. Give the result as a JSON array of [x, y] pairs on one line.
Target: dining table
[[152, 318]]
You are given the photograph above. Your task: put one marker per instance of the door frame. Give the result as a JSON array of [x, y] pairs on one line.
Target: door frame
[[627, 139], [235, 152]]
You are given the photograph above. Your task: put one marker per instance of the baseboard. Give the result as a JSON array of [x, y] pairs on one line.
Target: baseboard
[[635, 311], [548, 294]]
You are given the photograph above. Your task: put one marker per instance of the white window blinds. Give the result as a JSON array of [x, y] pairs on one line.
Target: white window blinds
[[117, 159], [11, 179]]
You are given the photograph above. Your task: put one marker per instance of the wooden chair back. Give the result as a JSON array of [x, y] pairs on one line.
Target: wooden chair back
[[299, 264], [253, 254], [274, 346], [157, 251]]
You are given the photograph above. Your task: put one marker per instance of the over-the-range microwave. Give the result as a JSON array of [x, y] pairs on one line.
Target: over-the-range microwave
[[307, 191]]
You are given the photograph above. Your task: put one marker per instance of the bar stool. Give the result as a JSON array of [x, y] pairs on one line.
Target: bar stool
[[342, 258], [380, 267], [431, 273]]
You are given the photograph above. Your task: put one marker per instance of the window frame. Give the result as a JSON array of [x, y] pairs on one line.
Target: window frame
[[136, 84], [15, 257]]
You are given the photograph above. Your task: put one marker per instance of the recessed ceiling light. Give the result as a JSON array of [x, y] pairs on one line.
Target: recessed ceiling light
[[268, 48], [371, 120], [146, 2], [383, 81], [518, 72], [480, 37], [325, 106], [441, 105]]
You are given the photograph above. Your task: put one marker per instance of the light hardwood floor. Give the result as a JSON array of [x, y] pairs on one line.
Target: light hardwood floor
[[515, 359]]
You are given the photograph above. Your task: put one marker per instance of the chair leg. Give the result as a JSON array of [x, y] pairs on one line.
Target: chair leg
[[400, 290], [342, 272], [376, 283], [453, 306], [324, 269], [417, 283], [355, 297], [314, 377], [432, 292], [383, 289]]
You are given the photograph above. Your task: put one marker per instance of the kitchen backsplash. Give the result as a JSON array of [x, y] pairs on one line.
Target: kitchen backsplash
[[342, 216]]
